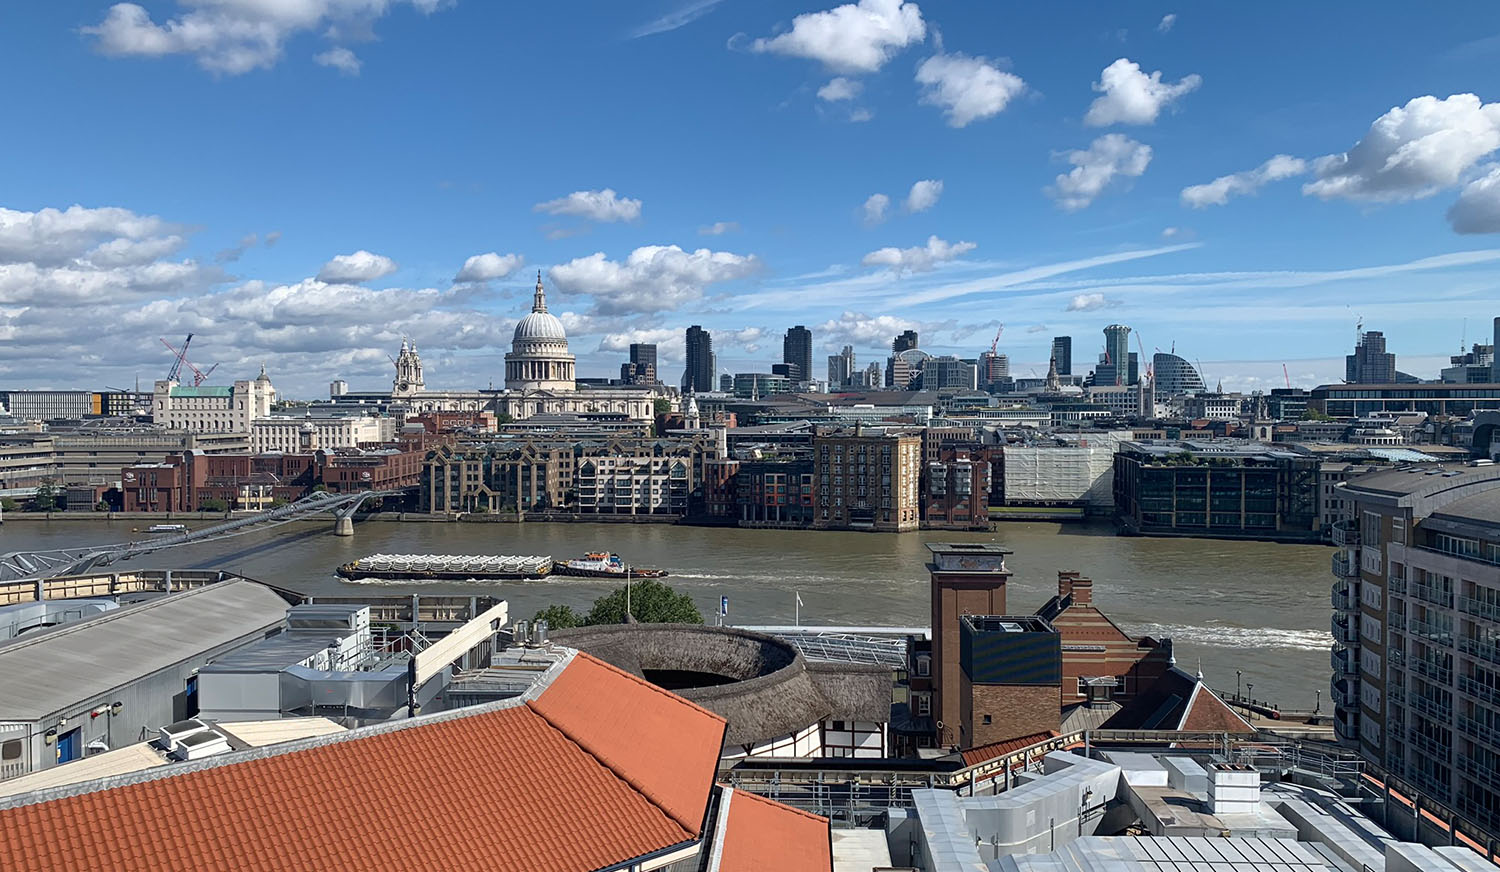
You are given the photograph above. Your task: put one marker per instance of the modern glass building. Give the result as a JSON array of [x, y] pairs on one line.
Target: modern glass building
[[1175, 377]]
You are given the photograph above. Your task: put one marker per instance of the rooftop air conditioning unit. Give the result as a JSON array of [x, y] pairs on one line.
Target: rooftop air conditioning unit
[[205, 743], [172, 734]]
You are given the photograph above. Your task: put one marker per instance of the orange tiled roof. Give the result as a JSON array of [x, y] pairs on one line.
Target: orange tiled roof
[[761, 834], [572, 780], [975, 756]]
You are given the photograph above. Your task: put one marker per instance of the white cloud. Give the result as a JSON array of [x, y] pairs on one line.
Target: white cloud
[[857, 328], [1218, 191], [652, 278], [967, 89], [669, 341], [1110, 157], [1477, 209], [840, 88], [719, 228], [237, 36], [918, 258], [361, 266], [676, 18], [1089, 302], [924, 195], [1166, 23], [874, 209], [132, 252], [1133, 97], [1412, 151], [488, 266], [603, 206], [52, 236], [861, 114], [1170, 232], [852, 38], [340, 58]]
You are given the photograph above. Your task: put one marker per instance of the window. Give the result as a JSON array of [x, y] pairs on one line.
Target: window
[[986, 720], [11, 750], [924, 704], [924, 665]]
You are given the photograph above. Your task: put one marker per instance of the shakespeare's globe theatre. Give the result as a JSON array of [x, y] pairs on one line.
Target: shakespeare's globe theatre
[[539, 358]]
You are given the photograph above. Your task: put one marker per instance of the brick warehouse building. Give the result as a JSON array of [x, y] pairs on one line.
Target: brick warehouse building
[[183, 482], [867, 479]]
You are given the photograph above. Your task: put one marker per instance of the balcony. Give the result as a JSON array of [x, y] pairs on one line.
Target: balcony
[[1478, 608], [1476, 730], [1341, 691], [1343, 567], [1396, 585], [1432, 670], [1434, 595], [1343, 661], [1479, 691], [1342, 602], [1432, 709], [1397, 657], [1433, 633], [1478, 772], [1482, 650], [1345, 534], [1345, 629], [1346, 724], [1428, 745]]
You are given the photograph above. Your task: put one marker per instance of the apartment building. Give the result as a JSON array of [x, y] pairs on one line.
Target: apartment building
[[867, 479], [1416, 624]]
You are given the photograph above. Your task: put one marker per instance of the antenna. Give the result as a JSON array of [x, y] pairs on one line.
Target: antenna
[[1463, 341]]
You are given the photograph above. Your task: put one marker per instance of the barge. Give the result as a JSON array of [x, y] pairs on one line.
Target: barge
[[448, 567]]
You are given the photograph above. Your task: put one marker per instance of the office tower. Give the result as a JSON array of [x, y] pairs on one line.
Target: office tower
[[726, 383], [1494, 343], [796, 349], [698, 376], [643, 355], [871, 376], [1370, 364], [841, 368], [1114, 364], [993, 368], [1062, 352], [905, 342], [1175, 377]]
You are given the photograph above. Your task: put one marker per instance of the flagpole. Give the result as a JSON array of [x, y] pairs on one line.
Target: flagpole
[[627, 594], [797, 608]]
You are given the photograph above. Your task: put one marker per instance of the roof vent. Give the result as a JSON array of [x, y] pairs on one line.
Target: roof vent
[[1482, 462], [205, 743]]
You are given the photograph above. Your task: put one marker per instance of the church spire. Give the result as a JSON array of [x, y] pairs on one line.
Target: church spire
[[539, 302]]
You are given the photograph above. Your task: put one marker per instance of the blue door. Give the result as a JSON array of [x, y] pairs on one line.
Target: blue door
[[68, 748]]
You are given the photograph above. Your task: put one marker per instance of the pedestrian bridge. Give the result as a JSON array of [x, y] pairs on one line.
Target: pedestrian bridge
[[39, 565]]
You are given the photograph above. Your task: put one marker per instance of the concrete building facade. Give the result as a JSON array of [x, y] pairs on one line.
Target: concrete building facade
[[867, 480], [212, 409]]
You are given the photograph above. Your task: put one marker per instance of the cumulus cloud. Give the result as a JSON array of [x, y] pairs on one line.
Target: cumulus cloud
[[1088, 303], [924, 195], [51, 236], [719, 228], [840, 88], [1037, 328], [874, 209], [488, 266], [967, 89], [236, 36], [1109, 158], [361, 266], [852, 38], [1131, 96], [919, 258], [1165, 25], [1477, 209], [603, 206], [1411, 152], [1218, 191], [669, 341], [857, 328], [339, 58], [653, 278]]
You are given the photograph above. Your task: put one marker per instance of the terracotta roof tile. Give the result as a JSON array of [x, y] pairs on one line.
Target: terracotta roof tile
[[982, 753], [762, 834], [600, 772]]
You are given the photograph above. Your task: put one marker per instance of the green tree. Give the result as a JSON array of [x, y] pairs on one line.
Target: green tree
[[558, 617], [7, 504], [502, 418], [212, 504], [46, 496], [662, 406], [651, 602], [1312, 414]]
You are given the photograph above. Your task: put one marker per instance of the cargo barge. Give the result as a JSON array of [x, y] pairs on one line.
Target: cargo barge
[[448, 567]]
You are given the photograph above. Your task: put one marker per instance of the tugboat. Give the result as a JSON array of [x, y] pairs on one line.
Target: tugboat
[[604, 564]]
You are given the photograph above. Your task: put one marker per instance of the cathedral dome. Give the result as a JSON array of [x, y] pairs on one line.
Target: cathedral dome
[[542, 326]]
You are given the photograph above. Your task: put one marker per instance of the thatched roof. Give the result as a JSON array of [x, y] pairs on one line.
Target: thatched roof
[[772, 690]]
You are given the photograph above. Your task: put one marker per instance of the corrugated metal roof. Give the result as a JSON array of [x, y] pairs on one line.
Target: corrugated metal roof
[[43, 673]]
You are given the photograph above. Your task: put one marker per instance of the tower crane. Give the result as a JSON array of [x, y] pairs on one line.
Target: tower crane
[[180, 359]]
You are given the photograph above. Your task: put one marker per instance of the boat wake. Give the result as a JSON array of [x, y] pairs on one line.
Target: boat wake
[[1240, 637]]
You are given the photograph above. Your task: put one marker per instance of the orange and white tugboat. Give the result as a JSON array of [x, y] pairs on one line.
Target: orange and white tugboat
[[603, 564]]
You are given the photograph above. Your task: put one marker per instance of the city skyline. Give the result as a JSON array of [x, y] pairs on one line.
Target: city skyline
[[307, 199]]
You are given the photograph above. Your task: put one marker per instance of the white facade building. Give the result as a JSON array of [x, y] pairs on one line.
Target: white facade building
[[282, 434], [212, 409]]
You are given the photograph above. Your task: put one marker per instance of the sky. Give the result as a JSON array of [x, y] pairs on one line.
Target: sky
[[301, 183]]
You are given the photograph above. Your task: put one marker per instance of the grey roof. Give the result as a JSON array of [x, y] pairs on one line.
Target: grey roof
[[1427, 486], [46, 672], [1478, 515]]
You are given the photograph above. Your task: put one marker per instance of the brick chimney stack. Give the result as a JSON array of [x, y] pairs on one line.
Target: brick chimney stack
[[1081, 588]]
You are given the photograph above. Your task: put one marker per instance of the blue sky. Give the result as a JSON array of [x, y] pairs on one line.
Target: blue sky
[[381, 144]]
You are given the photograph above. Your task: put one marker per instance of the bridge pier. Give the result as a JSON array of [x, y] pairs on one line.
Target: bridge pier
[[343, 525]]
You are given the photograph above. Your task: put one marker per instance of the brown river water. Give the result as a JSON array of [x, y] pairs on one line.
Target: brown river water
[[1258, 607]]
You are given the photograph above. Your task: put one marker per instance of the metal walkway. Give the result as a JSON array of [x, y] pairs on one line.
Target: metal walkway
[[27, 565]]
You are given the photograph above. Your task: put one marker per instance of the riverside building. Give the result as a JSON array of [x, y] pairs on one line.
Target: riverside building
[[867, 480], [1416, 624]]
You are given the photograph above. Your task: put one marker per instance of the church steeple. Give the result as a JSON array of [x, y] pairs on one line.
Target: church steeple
[[539, 302]]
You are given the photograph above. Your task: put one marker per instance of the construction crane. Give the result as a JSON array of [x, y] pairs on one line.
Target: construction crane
[[180, 359], [1148, 364], [996, 344], [1286, 375]]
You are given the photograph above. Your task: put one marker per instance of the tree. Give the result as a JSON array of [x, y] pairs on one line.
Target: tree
[[558, 617], [651, 602], [662, 406], [503, 418], [46, 496], [7, 504], [1312, 414], [212, 504]]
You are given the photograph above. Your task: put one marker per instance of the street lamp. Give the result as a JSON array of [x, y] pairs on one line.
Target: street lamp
[[1318, 705], [1237, 687], [1250, 691]]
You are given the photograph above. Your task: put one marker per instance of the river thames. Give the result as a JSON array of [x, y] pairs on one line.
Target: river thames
[[1258, 607]]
